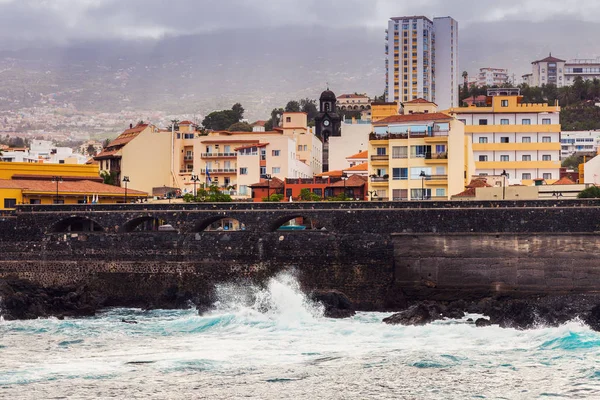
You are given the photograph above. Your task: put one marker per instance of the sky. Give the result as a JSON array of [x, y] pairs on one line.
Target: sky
[[64, 21]]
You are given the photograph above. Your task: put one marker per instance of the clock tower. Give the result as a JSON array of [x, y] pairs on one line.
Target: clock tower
[[327, 123]]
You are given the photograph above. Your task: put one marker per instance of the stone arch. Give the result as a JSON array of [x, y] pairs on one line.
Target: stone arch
[[343, 108], [297, 220], [143, 224], [219, 223], [77, 224], [362, 107]]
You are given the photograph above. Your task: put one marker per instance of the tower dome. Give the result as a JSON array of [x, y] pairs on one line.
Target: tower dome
[[328, 95]]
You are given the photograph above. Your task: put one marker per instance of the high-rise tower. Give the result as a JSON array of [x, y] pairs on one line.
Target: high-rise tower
[[422, 60]]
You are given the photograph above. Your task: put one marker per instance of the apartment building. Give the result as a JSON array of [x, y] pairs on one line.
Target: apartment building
[[492, 77], [235, 160], [421, 154], [520, 139], [422, 60], [561, 72], [144, 154], [578, 142]]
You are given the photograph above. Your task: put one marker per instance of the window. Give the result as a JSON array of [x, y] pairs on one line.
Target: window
[[526, 121], [400, 174], [243, 191], [381, 151], [546, 121], [504, 139], [546, 139], [299, 147], [526, 176], [547, 176], [318, 192], [483, 158], [275, 153], [504, 103], [419, 151], [35, 201], [381, 172], [288, 119], [276, 170], [526, 139], [10, 203], [546, 157], [415, 172], [526, 157], [400, 194], [288, 193], [483, 122], [504, 121], [263, 171], [504, 158], [399, 152], [440, 192], [243, 171], [417, 194], [483, 140]]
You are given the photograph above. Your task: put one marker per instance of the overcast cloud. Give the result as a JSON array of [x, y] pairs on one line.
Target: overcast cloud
[[64, 21]]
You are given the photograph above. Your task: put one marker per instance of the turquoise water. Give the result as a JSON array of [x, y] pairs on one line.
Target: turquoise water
[[273, 343]]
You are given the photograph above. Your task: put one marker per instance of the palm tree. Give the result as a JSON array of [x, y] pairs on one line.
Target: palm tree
[[465, 76]]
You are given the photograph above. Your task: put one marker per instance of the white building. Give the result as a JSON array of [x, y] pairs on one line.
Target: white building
[[588, 69], [354, 139], [561, 72], [416, 47], [579, 142], [43, 151], [492, 77]]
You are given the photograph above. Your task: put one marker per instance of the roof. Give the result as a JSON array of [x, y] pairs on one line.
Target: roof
[[549, 59], [249, 146], [359, 167], [420, 100], [411, 17], [414, 118], [186, 123], [384, 103], [564, 181], [260, 122], [352, 181], [328, 95], [275, 183], [472, 187], [332, 174], [127, 136], [107, 154], [352, 96], [479, 98], [359, 156], [49, 178], [230, 141], [81, 186]]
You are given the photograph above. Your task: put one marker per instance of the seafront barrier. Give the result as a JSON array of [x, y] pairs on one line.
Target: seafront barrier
[[378, 253]]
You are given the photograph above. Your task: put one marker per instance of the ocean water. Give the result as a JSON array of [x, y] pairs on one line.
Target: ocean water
[[272, 343]]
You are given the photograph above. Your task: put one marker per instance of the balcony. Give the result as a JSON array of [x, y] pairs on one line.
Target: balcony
[[431, 136], [436, 158], [219, 171], [380, 180], [436, 179], [380, 157], [218, 155], [188, 157]]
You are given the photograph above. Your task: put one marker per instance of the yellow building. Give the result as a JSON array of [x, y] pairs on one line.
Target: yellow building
[[520, 139], [144, 154], [35, 183], [421, 154], [381, 110]]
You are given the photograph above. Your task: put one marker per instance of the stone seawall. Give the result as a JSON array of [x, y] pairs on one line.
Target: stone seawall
[[377, 254]]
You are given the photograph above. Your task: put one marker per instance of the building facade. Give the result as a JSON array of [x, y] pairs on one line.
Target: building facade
[[508, 136], [579, 142], [422, 60], [560, 72], [421, 154], [492, 77]]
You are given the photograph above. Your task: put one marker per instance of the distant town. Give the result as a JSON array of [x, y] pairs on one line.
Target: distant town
[[437, 133]]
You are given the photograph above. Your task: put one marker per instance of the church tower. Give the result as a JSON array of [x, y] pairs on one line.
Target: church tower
[[327, 123]]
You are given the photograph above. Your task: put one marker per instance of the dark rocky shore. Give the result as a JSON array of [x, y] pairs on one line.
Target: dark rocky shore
[[21, 299]]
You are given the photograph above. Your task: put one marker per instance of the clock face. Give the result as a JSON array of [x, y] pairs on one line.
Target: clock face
[[326, 122]]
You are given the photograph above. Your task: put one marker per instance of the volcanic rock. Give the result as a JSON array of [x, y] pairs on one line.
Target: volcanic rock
[[337, 304], [418, 314]]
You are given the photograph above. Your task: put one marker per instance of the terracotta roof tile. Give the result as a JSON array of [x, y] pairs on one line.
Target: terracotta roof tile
[[414, 118], [359, 167], [352, 96], [564, 181], [249, 146], [186, 123], [481, 182], [275, 183], [81, 186], [352, 181], [259, 123], [420, 100], [333, 174], [360, 156], [106, 154]]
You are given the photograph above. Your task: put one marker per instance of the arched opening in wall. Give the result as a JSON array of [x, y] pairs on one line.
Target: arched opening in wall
[[77, 224], [296, 223], [343, 108], [219, 224], [147, 224]]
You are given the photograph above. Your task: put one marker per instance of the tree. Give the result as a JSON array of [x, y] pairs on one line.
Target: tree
[[105, 143], [292, 106], [309, 106], [593, 192], [240, 127], [238, 111], [109, 178], [307, 195], [91, 150], [572, 162], [274, 198], [211, 195]]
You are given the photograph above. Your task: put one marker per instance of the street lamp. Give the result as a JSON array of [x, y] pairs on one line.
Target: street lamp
[[195, 179], [268, 178], [372, 194], [422, 175], [503, 175], [126, 180], [57, 179], [344, 178]]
